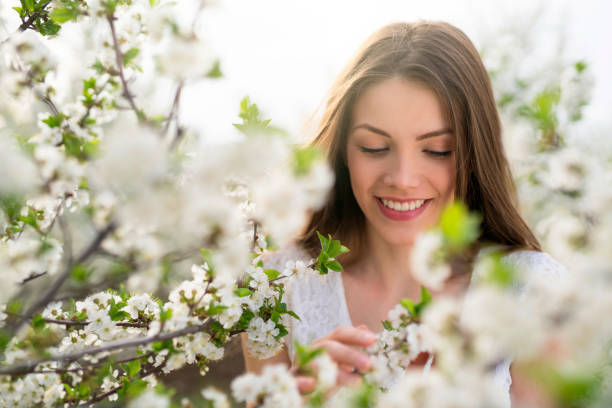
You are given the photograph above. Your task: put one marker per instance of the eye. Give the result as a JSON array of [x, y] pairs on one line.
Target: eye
[[436, 153], [372, 151]]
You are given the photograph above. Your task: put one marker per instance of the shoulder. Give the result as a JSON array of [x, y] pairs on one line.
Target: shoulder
[[535, 269], [532, 264]]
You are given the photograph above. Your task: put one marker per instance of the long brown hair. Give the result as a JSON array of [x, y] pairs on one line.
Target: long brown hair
[[443, 58]]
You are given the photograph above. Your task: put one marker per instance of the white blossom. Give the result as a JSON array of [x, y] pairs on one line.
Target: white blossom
[[427, 260]]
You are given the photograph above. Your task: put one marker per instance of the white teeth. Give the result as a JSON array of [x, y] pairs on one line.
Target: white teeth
[[405, 206]]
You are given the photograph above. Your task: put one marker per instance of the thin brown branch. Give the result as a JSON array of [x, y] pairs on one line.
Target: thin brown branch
[[28, 367], [119, 59], [57, 212], [32, 277], [52, 290], [85, 323], [92, 366], [144, 374], [174, 109]]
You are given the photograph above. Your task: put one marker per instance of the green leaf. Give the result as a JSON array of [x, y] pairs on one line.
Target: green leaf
[[215, 309], [293, 314], [459, 227], [303, 159], [30, 219], [324, 242], [242, 292], [49, 27], [322, 269], [131, 368], [165, 314], [282, 332], [272, 273], [62, 15], [387, 325], [245, 319], [29, 4], [580, 66], [162, 345], [252, 123], [497, 272], [334, 248], [38, 322], [80, 273], [334, 266], [408, 304], [129, 55], [54, 121], [275, 316], [343, 249], [305, 355], [425, 301], [215, 71], [11, 204], [425, 296]]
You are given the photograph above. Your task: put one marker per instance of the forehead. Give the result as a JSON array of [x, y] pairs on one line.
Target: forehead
[[399, 106]]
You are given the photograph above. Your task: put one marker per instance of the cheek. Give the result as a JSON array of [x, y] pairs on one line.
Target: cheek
[[361, 175], [443, 177]]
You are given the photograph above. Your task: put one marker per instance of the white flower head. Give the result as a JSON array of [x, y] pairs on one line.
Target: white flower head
[[427, 260]]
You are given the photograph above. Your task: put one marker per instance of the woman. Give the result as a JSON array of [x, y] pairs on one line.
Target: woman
[[410, 125]]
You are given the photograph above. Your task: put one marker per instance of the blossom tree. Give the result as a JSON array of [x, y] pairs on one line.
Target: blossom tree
[[129, 247]]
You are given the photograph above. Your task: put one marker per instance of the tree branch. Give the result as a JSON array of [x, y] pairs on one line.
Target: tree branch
[[44, 299], [119, 59], [92, 366], [32, 277], [144, 374], [28, 367], [174, 109]]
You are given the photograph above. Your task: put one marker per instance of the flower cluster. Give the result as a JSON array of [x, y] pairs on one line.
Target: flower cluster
[[275, 387]]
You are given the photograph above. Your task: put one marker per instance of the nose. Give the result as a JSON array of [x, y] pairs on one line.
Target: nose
[[403, 173]]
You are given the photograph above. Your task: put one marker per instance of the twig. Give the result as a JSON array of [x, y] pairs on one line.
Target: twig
[[119, 59], [44, 299], [28, 367], [32, 277], [100, 397], [174, 109], [85, 323], [57, 212], [92, 366]]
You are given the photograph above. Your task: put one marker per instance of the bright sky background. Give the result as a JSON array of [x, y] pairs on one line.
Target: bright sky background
[[285, 53]]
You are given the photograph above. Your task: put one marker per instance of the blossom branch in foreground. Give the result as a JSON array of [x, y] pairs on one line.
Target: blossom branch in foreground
[[29, 367], [46, 298], [153, 370], [119, 59]]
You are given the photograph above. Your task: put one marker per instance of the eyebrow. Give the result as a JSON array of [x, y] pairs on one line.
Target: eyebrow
[[383, 133]]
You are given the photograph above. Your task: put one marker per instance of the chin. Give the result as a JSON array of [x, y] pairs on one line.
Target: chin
[[399, 239]]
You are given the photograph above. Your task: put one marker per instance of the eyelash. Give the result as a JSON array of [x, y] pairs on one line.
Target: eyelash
[[431, 152]]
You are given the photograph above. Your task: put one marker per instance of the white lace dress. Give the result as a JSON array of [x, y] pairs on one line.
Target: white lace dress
[[320, 302]]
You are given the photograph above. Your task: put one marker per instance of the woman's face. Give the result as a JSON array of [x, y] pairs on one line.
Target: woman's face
[[401, 159]]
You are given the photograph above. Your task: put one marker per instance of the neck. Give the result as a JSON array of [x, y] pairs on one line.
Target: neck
[[387, 264]]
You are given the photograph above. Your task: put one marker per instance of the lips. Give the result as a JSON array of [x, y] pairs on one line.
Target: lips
[[403, 213]]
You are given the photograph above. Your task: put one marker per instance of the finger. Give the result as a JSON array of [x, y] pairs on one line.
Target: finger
[[305, 384], [345, 367], [345, 354], [353, 335], [347, 378]]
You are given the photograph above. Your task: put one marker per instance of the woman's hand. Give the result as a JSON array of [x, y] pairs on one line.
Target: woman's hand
[[342, 345]]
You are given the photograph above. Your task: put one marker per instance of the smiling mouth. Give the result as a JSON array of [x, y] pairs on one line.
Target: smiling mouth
[[406, 209], [402, 205]]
